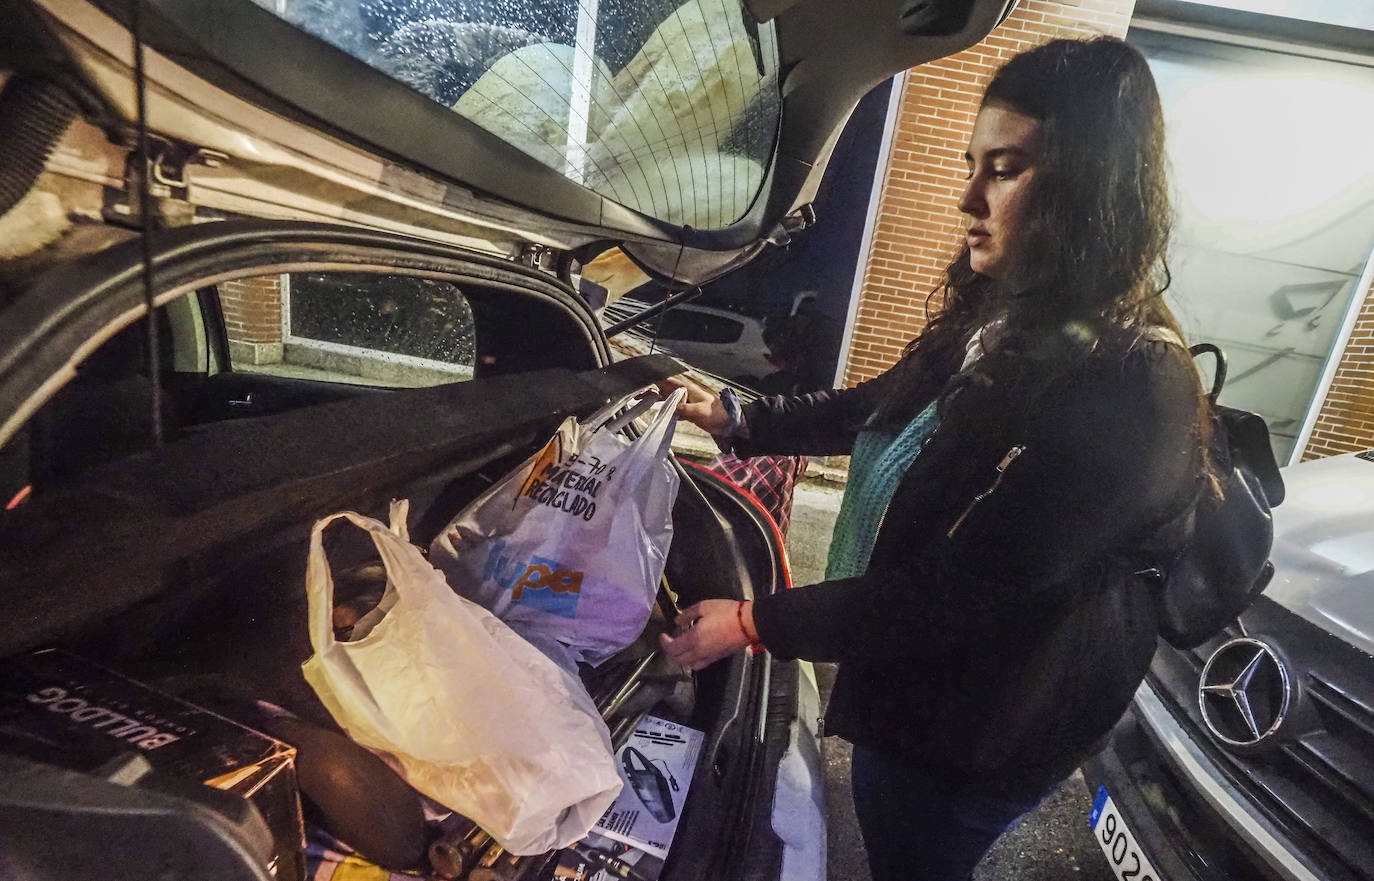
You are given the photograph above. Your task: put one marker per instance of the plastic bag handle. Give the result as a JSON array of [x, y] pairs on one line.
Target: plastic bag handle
[[630, 415], [392, 546], [650, 446], [607, 413]]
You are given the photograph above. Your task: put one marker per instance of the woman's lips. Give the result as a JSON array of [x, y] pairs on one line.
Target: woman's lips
[[976, 237]]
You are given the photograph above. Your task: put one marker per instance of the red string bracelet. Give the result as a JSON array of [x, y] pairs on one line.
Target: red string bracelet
[[755, 646]]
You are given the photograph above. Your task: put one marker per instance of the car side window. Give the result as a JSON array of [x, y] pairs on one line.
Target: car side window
[[349, 327], [691, 325]]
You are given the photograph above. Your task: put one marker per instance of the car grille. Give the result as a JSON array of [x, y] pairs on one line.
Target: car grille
[[1316, 779]]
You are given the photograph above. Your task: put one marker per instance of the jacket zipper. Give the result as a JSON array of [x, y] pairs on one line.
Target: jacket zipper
[[1002, 466]]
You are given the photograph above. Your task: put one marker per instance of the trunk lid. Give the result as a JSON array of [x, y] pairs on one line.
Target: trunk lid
[[690, 133]]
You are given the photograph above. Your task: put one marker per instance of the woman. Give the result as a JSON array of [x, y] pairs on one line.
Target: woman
[[1042, 426]]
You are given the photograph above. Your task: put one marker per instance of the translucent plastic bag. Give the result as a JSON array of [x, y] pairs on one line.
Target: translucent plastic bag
[[568, 549], [477, 718]]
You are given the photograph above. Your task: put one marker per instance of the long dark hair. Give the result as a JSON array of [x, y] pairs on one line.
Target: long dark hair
[[1100, 220]]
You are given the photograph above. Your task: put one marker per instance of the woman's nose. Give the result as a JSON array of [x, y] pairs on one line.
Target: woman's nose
[[971, 202]]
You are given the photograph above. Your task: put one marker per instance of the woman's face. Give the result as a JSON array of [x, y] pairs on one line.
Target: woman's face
[[1002, 157]]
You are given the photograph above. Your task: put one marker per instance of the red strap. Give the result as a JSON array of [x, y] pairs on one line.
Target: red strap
[[755, 646]]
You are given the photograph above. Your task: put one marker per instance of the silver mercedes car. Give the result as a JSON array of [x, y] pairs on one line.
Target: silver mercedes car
[[1252, 756]]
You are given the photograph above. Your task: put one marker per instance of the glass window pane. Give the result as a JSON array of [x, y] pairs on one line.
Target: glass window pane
[[668, 109], [351, 327], [1274, 197]]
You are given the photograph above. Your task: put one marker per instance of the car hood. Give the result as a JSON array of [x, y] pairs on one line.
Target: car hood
[[1324, 546], [690, 133]]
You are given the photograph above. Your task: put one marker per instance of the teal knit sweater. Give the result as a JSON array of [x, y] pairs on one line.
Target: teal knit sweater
[[875, 468]]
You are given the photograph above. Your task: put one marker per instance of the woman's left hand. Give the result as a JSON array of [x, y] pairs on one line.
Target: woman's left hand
[[707, 632]]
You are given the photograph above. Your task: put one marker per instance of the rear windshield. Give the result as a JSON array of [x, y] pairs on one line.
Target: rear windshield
[[670, 109]]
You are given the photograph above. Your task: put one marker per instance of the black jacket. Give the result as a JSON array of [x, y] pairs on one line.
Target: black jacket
[[999, 650]]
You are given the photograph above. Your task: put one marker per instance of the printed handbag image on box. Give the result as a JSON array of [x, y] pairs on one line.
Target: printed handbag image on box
[[568, 549], [477, 718]]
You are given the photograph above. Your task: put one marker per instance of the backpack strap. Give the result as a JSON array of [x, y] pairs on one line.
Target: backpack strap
[[1218, 370]]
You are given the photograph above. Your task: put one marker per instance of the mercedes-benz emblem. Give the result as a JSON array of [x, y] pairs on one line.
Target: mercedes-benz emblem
[[1245, 693]]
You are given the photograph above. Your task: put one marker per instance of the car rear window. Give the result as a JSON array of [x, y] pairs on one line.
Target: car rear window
[[668, 108]]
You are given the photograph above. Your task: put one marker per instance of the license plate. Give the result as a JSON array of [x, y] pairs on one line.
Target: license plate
[[1117, 842]]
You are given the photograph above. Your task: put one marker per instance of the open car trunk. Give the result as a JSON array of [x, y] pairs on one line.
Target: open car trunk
[[182, 566], [693, 133]]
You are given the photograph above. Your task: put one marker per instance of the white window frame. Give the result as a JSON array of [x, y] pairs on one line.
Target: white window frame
[[1366, 278]]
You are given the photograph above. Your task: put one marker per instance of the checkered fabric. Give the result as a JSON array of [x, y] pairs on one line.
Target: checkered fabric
[[767, 478]]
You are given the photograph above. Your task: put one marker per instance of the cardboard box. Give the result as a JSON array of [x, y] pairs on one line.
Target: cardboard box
[[657, 764], [63, 710], [597, 858]]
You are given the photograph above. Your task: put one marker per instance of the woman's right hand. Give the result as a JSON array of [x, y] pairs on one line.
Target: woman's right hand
[[708, 631], [701, 407]]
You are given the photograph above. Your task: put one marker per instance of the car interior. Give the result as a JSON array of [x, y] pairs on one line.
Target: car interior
[[180, 562]]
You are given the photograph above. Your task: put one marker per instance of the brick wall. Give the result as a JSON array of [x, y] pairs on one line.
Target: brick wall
[[252, 318], [252, 309], [918, 228], [1346, 421]]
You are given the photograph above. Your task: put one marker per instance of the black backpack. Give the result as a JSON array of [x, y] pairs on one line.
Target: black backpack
[[1216, 560]]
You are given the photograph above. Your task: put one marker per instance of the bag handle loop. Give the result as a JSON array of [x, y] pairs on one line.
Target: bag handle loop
[[1218, 371], [392, 546], [639, 409], [650, 446], [607, 413]]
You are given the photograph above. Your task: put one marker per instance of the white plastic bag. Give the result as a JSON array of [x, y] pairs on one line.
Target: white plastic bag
[[568, 549], [477, 718]]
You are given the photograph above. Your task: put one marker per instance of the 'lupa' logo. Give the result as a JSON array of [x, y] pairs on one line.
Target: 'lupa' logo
[[539, 582]]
